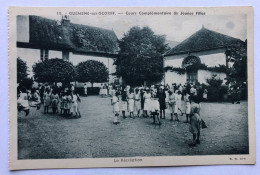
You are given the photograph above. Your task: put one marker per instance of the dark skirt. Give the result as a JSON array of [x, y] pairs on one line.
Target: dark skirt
[[162, 105]]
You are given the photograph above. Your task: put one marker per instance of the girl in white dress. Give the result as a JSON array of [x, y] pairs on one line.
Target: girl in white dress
[[155, 108], [147, 102], [172, 103], [115, 103], [47, 100], [130, 97], [124, 102], [75, 107], [137, 98], [178, 104], [23, 102], [54, 102], [167, 98], [187, 105]]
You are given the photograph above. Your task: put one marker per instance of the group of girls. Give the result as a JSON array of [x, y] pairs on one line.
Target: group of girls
[[131, 101], [66, 100], [155, 103]]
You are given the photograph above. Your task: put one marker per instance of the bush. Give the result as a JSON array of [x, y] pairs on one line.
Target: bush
[[92, 71], [216, 91], [54, 70]]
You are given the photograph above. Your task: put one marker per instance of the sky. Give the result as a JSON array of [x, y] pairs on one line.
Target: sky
[[175, 28]]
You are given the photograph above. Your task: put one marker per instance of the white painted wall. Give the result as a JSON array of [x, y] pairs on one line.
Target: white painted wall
[[203, 75], [213, 60], [55, 54], [173, 61], [174, 77]]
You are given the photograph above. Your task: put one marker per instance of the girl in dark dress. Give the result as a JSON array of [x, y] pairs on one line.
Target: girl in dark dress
[[161, 95]]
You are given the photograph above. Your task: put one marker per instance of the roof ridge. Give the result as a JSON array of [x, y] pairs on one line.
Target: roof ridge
[[222, 34], [203, 39]]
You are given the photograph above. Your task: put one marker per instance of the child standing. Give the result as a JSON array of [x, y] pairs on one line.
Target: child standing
[[147, 102], [178, 104], [137, 100], [124, 102], [62, 101], [155, 108], [172, 103], [54, 102], [47, 100], [195, 121], [131, 102], [166, 90], [115, 102], [69, 103], [161, 95], [187, 105], [75, 99]]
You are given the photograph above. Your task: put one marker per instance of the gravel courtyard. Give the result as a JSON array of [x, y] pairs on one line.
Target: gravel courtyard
[[48, 136]]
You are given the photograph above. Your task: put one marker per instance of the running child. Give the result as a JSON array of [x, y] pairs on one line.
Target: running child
[[23, 102]]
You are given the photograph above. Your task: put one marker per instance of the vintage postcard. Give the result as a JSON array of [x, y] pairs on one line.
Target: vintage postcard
[[130, 86]]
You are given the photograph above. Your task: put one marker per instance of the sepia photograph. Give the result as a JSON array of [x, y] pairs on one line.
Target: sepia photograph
[[129, 84]]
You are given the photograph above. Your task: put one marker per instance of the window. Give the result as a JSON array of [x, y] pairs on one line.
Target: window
[[190, 61], [44, 54], [192, 76]]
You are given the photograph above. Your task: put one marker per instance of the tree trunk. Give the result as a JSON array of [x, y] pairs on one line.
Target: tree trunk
[[92, 84]]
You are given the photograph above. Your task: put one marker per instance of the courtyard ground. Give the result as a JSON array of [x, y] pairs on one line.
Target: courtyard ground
[[46, 136]]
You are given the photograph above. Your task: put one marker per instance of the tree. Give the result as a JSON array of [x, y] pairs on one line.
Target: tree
[[141, 56], [92, 71], [237, 73], [22, 70], [54, 70]]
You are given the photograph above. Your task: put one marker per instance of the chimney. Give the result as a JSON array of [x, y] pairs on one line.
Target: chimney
[[65, 20]]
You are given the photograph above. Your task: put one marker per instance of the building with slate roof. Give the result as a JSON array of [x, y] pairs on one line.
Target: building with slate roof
[[39, 38], [206, 49]]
